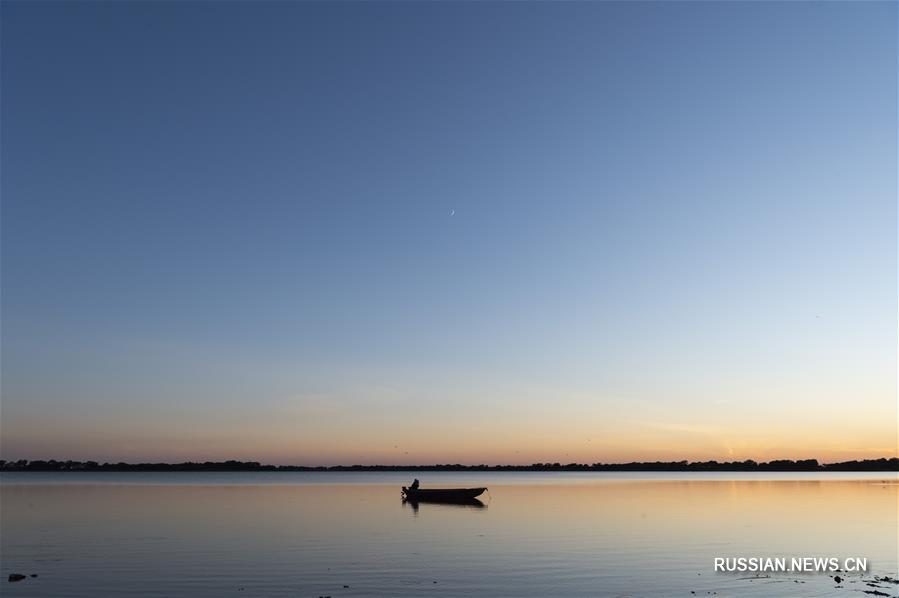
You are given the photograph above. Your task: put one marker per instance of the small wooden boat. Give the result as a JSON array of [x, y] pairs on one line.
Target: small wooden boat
[[441, 494]]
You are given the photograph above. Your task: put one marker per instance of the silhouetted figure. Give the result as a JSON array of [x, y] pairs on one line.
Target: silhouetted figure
[[414, 485]]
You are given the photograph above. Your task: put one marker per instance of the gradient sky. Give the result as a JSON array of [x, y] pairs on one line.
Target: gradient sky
[[227, 231]]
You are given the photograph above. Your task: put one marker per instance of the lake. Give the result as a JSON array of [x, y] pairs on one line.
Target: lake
[[349, 534]]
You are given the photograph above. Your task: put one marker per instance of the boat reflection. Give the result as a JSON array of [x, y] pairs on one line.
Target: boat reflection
[[470, 503]]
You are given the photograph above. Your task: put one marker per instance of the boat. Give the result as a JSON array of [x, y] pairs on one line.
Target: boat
[[441, 494]]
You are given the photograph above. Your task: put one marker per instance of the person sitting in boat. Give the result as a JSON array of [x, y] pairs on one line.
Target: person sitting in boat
[[414, 485]]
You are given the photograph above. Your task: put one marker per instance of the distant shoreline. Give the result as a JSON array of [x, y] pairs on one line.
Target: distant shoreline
[[883, 464]]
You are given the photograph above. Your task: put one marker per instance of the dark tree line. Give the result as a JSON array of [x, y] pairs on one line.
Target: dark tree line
[[884, 464]]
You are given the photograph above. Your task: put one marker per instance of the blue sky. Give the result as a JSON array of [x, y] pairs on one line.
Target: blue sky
[[228, 230]]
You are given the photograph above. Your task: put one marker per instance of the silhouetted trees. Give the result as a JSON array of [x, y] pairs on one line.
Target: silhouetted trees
[[883, 464]]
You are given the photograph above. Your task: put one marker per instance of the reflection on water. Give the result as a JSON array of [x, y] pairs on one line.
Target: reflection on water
[[470, 503], [591, 537]]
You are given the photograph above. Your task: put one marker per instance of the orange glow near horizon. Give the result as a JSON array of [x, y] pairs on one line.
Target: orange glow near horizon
[[519, 443], [481, 423]]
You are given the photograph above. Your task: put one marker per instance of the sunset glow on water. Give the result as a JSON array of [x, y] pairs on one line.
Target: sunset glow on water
[[536, 534]]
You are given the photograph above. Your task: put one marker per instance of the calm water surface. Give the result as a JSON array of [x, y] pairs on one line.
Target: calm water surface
[[311, 534]]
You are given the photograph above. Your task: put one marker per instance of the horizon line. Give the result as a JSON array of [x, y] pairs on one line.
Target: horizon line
[[890, 463]]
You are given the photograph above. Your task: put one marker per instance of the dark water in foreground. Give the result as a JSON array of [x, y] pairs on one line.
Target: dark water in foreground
[[311, 534]]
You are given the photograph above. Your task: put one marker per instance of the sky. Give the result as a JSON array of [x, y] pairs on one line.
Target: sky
[[473, 232]]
